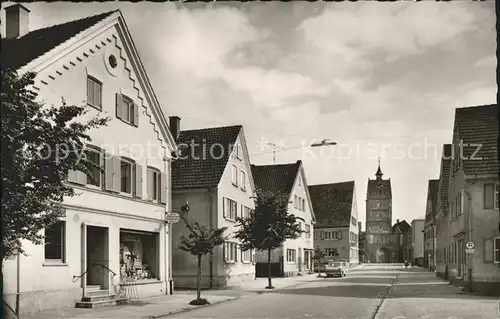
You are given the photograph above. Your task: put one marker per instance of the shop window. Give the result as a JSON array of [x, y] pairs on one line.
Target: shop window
[[55, 238], [139, 255]]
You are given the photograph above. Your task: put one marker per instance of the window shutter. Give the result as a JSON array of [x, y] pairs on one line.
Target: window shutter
[[72, 176], [224, 248], [235, 206], [138, 180], [163, 188], [235, 246], [117, 174], [136, 115], [321, 235], [150, 182], [119, 105], [109, 173], [340, 234], [488, 195], [224, 207], [81, 178], [97, 95]]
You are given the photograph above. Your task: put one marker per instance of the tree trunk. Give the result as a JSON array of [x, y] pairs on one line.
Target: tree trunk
[[198, 280], [269, 281]]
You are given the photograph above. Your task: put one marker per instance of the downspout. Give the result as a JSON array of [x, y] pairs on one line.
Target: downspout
[[211, 226], [18, 288]]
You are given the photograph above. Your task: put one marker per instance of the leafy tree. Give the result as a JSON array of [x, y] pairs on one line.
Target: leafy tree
[[39, 146], [269, 225], [199, 242], [319, 255]]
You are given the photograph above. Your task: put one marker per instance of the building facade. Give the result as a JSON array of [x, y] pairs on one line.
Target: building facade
[[430, 225], [404, 234], [336, 230], [294, 257], [113, 233], [417, 229], [213, 175], [472, 219], [381, 243]]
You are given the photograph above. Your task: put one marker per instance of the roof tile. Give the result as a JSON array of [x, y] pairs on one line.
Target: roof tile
[[332, 203], [202, 164], [18, 52], [276, 178]]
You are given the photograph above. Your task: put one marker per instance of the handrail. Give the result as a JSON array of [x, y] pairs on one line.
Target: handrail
[[78, 277], [105, 267]]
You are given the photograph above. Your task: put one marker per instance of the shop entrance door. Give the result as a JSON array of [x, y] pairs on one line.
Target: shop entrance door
[[98, 256]]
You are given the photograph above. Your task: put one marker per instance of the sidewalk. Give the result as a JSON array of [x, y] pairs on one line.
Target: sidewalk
[[154, 307], [419, 294]]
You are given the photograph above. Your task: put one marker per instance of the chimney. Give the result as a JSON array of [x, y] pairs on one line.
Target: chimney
[[17, 21], [397, 221], [175, 126]]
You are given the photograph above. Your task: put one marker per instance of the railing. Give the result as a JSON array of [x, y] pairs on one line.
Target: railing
[[105, 267], [75, 278]]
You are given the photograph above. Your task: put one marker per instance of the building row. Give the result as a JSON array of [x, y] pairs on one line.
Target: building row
[[462, 222], [113, 236]]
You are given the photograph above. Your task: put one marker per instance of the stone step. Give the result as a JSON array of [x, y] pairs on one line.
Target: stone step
[[93, 298], [101, 303], [92, 288], [97, 293]]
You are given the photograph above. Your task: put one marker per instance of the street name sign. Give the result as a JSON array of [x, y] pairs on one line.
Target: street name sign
[[172, 218], [469, 250]]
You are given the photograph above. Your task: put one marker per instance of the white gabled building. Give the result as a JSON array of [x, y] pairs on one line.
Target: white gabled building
[[114, 231]]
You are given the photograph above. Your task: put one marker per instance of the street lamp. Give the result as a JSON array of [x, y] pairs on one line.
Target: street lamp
[[324, 142]]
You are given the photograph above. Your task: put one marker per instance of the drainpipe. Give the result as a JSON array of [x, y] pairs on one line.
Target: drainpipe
[[469, 235], [168, 235], [211, 257]]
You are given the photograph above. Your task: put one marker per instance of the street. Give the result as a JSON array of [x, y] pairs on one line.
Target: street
[[374, 291]]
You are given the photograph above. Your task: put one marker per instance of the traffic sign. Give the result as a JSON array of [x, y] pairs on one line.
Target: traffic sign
[[469, 250], [469, 245], [172, 218]]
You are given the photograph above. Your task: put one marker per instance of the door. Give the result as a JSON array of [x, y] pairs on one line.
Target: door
[[97, 256], [460, 258]]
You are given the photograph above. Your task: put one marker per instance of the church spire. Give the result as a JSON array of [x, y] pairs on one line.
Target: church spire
[[379, 171]]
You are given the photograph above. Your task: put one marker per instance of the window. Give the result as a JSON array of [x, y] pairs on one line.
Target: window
[[315, 236], [331, 252], [127, 110], [55, 237], [333, 235], [94, 93], [300, 181], [353, 220], [154, 184], [496, 250], [230, 209], [126, 170], [235, 175], [496, 195], [230, 252], [94, 156], [303, 205], [246, 211], [237, 151], [308, 231], [139, 255], [291, 255], [295, 201], [243, 180], [246, 256], [489, 196]]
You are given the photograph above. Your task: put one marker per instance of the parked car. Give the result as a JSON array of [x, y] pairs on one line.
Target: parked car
[[335, 268]]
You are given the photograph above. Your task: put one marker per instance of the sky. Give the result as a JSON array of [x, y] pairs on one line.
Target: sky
[[380, 79]]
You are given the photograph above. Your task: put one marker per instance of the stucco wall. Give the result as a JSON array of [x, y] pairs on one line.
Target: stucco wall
[[417, 226], [50, 285], [303, 242], [185, 265], [342, 244], [45, 287], [233, 273]]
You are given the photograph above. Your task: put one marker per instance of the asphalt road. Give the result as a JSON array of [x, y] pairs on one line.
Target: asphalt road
[[354, 296]]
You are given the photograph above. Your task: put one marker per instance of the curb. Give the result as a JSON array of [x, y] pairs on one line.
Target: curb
[[382, 296], [191, 308]]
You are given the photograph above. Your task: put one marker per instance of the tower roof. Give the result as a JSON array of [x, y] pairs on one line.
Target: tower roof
[[379, 171]]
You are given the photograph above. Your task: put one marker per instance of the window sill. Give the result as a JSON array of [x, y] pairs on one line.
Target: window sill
[[235, 185], [246, 262], [95, 107], [125, 194], [97, 188], [230, 220], [230, 262], [141, 282], [54, 264]]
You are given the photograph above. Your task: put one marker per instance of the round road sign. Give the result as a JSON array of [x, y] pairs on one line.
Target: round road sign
[[469, 245]]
